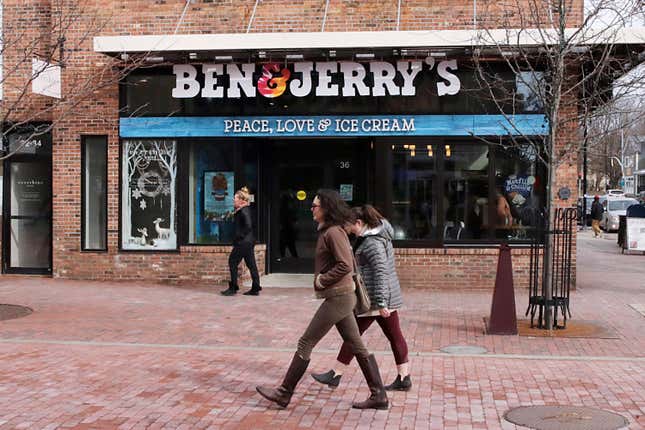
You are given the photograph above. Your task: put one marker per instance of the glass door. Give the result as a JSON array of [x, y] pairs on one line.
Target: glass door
[[27, 229], [299, 169]]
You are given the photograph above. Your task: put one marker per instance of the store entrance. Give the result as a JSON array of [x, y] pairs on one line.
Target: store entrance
[[298, 169], [27, 206]]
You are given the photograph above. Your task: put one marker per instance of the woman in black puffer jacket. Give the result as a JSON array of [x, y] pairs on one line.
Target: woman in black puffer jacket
[[375, 259]]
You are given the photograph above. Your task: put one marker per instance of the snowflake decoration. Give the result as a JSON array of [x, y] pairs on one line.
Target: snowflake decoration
[[165, 191], [136, 193], [142, 204]]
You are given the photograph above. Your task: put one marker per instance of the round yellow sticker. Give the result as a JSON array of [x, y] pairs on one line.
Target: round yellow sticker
[[301, 195]]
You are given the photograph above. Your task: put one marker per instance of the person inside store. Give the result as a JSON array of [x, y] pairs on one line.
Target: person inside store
[[502, 212], [243, 245], [333, 282], [374, 255]]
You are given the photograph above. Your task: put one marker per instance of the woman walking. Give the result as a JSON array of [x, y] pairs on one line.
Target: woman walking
[[332, 282], [243, 244], [375, 259]]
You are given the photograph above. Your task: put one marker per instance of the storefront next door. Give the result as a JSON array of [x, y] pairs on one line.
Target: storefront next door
[[27, 207], [297, 170]]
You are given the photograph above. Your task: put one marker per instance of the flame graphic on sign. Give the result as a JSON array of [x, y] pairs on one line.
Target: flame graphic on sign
[[270, 86]]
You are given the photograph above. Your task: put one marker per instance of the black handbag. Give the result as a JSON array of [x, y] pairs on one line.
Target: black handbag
[[363, 303]]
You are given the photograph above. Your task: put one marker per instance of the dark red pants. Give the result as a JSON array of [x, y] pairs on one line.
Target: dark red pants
[[392, 331]]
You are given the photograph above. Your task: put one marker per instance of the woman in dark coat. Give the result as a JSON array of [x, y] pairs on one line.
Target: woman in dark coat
[[243, 244], [332, 282], [375, 259]]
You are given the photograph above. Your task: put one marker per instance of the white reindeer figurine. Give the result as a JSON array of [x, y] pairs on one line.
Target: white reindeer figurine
[[144, 235], [162, 233]]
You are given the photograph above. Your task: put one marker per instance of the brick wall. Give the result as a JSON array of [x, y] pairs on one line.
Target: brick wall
[[98, 114]]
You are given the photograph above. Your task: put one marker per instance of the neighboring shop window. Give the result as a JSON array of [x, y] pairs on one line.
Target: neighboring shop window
[[94, 192], [414, 175], [148, 209], [519, 192], [212, 186], [465, 196]]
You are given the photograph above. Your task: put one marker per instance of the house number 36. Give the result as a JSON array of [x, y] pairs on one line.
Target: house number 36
[[345, 165]]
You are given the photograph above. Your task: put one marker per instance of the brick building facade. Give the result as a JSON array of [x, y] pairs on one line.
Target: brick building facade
[[450, 240]]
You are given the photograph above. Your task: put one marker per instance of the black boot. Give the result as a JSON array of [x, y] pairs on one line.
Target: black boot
[[378, 396], [254, 291], [400, 384], [328, 378], [231, 290], [282, 394]]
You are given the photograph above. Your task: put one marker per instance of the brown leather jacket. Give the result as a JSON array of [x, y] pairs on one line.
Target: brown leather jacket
[[333, 265]]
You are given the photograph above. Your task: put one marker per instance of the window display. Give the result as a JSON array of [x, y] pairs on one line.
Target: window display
[[211, 188], [149, 175]]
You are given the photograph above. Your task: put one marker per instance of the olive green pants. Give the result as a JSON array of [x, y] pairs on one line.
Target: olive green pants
[[335, 311]]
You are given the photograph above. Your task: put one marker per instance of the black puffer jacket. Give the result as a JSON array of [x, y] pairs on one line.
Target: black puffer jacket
[[375, 258]]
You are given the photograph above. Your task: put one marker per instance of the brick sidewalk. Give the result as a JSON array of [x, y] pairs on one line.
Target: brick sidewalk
[[101, 355]]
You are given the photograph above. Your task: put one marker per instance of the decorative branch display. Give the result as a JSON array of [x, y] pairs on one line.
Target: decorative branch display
[[148, 194]]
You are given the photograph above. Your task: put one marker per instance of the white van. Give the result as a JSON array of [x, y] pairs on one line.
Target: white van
[[615, 207]]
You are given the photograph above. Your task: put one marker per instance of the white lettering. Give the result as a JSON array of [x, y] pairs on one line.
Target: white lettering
[[354, 77], [186, 86], [325, 87], [384, 74], [210, 80], [302, 87], [414, 68], [408, 124], [241, 79], [454, 84], [228, 124]]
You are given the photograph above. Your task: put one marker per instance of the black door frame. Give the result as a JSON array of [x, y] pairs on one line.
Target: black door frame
[[46, 160], [268, 179]]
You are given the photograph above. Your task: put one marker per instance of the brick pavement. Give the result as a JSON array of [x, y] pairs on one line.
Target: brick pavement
[[136, 356]]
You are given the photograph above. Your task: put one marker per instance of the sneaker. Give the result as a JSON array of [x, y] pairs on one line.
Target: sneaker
[[228, 292], [400, 384]]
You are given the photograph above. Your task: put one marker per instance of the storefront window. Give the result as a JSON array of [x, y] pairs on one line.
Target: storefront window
[[211, 189], [149, 175], [519, 192], [94, 192], [414, 211], [465, 196]]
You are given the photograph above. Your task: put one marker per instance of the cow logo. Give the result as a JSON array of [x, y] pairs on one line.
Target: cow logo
[[271, 86]]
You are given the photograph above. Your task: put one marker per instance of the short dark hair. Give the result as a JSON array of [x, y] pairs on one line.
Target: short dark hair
[[335, 209], [369, 215]]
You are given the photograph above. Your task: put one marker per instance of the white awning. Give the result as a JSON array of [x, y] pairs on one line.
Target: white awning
[[439, 39]]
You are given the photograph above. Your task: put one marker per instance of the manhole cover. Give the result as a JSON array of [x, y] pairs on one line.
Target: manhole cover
[[9, 312], [464, 349], [565, 418]]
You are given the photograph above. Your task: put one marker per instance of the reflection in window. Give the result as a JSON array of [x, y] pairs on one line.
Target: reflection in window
[[94, 192], [519, 191], [211, 190], [149, 169], [527, 91], [465, 197], [414, 212]]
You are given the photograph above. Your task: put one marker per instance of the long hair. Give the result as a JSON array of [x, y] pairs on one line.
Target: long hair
[[335, 210], [368, 214]]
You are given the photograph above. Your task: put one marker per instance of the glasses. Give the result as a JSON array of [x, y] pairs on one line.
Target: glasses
[[314, 207]]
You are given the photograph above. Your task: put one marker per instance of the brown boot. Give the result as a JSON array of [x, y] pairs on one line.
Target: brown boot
[[282, 394], [378, 397]]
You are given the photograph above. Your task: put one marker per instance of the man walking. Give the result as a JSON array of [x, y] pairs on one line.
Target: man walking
[[596, 215]]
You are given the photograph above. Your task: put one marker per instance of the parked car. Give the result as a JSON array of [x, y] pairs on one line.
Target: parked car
[[612, 193], [589, 198], [614, 208]]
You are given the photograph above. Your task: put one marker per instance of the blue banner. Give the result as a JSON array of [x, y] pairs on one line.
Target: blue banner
[[331, 126]]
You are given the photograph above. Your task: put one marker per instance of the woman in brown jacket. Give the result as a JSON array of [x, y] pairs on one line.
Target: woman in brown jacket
[[333, 283]]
